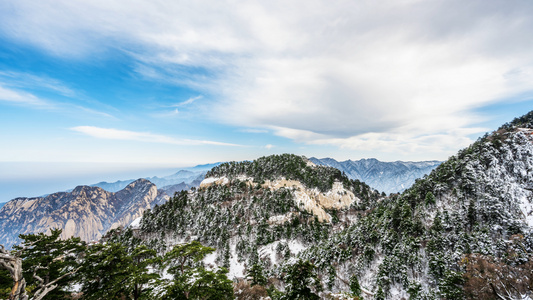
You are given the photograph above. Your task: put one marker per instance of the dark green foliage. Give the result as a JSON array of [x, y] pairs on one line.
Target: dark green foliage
[[380, 295], [430, 198], [51, 259], [301, 281], [355, 288], [452, 286], [472, 213], [191, 279], [523, 121], [110, 272], [256, 275], [6, 283]]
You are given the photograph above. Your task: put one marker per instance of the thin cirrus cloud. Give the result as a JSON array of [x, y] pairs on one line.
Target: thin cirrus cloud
[[188, 101], [25, 81], [22, 98], [126, 135], [354, 74], [29, 100]]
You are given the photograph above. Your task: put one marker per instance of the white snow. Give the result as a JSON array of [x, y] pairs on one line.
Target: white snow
[[236, 269], [136, 224], [296, 247], [280, 219], [527, 209], [214, 180], [209, 260]]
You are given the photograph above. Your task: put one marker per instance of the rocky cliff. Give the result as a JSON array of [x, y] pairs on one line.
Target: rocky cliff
[[86, 212]]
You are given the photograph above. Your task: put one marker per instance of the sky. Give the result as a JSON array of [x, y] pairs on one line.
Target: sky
[[106, 90]]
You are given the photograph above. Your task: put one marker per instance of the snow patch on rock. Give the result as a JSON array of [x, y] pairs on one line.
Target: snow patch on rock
[[136, 224], [214, 180]]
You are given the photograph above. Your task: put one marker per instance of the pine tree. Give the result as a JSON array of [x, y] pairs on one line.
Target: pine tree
[[191, 279], [301, 280], [355, 288], [49, 263], [109, 271], [430, 198], [256, 275]]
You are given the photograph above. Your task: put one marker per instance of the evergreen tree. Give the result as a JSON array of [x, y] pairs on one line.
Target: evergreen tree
[[5, 284], [380, 295], [256, 274], [49, 263], [109, 272], [191, 279], [301, 279], [430, 198], [355, 288]]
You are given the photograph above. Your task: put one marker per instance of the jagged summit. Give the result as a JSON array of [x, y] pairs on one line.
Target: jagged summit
[[87, 212]]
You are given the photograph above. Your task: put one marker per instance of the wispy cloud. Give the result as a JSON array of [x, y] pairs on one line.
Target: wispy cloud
[[23, 98], [254, 130], [94, 112], [30, 81], [188, 101], [166, 114], [29, 100], [126, 135]]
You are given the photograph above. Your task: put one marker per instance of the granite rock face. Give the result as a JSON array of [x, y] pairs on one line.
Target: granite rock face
[[86, 212]]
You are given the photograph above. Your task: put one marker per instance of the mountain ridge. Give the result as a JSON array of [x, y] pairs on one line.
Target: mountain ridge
[[462, 232], [86, 212], [388, 177]]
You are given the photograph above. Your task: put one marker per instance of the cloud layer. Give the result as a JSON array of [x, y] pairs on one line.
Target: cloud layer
[[399, 75], [126, 135]]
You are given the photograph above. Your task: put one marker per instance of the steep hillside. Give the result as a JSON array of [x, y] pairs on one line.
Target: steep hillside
[[268, 210], [464, 231], [389, 177], [86, 212]]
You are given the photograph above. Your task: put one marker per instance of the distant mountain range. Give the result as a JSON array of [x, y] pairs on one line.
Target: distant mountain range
[[183, 179], [388, 177]]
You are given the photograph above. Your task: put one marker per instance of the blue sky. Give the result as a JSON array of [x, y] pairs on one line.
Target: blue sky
[[99, 90]]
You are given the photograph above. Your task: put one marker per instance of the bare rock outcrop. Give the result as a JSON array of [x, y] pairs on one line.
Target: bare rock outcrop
[[86, 212]]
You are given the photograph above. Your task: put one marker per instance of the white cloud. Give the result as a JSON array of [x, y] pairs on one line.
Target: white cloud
[[369, 74], [19, 97], [269, 146], [188, 101], [254, 130], [30, 81], [167, 114], [126, 135], [26, 99]]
